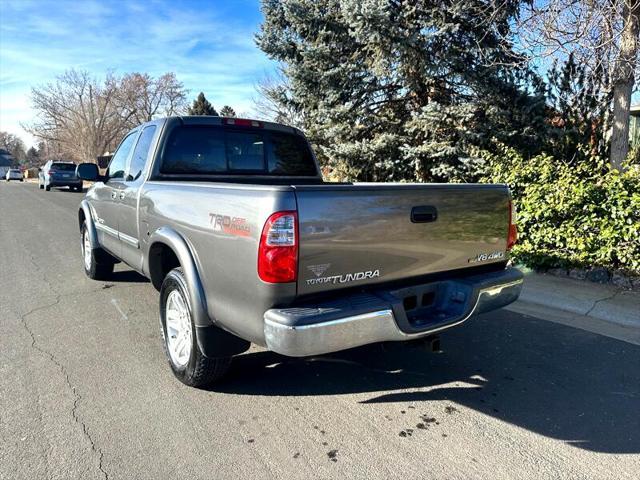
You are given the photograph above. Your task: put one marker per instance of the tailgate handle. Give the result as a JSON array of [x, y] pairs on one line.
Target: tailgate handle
[[424, 214]]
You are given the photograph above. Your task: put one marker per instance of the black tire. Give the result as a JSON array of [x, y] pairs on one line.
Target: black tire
[[99, 268], [199, 370], [47, 188], [21, 180], [40, 186]]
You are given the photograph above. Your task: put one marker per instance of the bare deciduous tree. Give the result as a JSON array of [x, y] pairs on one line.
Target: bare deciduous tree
[[623, 81], [49, 150], [78, 114], [601, 34], [81, 117], [140, 97], [14, 145], [273, 101]]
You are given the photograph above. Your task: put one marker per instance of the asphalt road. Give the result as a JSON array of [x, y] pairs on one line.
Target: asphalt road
[[85, 391]]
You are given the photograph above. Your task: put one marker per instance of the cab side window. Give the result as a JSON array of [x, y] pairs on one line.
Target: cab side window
[[119, 161], [141, 153]]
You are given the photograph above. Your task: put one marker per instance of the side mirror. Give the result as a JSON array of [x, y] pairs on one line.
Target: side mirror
[[88, 171]]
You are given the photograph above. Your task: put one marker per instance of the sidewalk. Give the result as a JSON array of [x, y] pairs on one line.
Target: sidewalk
[[604, 309]]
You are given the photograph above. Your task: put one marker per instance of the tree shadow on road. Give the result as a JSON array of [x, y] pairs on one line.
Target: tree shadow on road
[[551, 379]]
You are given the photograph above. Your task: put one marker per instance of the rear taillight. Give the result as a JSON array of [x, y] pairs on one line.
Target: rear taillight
[[513, 231], [278, 250]]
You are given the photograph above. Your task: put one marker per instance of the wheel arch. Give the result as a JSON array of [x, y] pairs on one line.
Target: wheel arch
[[84, 215], [168, 250]]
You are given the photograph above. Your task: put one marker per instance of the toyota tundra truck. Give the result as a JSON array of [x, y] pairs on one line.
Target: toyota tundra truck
[[231, 221]]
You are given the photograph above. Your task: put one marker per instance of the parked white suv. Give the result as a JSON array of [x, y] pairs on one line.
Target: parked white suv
[[14, 174]]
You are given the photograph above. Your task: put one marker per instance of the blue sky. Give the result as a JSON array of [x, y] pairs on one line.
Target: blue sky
[[208, 44]]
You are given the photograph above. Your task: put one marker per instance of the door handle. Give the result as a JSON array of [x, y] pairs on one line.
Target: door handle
[[113, 195], [424, 214]]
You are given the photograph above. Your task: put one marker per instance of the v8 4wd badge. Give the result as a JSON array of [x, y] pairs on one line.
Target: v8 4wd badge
[[485, 257]]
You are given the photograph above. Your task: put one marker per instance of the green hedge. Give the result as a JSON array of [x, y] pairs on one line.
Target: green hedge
[[572, 214]]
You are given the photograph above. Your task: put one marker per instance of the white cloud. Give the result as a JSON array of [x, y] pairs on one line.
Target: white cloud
[[209, 46]]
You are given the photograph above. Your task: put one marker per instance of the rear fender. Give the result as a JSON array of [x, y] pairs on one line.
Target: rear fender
[[212, 340]]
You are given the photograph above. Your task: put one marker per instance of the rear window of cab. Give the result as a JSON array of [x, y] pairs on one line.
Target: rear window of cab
[[218, 150]]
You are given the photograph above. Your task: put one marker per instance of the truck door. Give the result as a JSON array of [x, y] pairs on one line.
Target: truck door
[[107, 195], [135, 175]]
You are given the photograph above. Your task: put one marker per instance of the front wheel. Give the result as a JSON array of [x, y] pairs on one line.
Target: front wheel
[[93, 269], [186, 360]]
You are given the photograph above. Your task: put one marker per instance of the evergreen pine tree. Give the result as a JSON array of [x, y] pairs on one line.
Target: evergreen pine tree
[[227, 111], [201, 106], [33, 158], [394, 90], [579, 101]]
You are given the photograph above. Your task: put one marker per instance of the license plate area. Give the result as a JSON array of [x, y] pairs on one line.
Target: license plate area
[[424, 307]]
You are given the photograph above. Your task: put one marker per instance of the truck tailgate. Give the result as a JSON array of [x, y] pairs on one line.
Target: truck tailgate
[[362, 234]]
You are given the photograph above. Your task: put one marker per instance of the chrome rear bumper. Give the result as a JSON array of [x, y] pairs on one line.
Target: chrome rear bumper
[[331, 327]]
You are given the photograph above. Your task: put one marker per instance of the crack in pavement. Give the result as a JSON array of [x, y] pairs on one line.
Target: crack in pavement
[[42, 273], [65, 374]]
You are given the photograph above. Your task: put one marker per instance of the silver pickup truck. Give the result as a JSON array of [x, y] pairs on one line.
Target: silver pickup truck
[[231, 221]]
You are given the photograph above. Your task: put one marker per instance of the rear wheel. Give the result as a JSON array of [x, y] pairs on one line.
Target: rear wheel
[[40, 186], [186, 360], [47, 188], [93, 269]]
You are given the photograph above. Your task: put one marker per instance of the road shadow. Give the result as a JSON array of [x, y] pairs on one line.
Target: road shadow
[[130, 276], [551, 379]]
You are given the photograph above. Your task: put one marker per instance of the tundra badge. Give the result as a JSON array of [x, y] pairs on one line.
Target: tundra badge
[[347, 277]]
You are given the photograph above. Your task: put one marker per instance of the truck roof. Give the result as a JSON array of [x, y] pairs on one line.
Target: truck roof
[[216, 120]]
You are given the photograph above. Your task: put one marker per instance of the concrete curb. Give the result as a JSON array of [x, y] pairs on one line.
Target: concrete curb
[[602, 302]]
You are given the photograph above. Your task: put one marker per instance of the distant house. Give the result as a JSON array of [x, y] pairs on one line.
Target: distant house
[[634, 125], [6, 162]]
